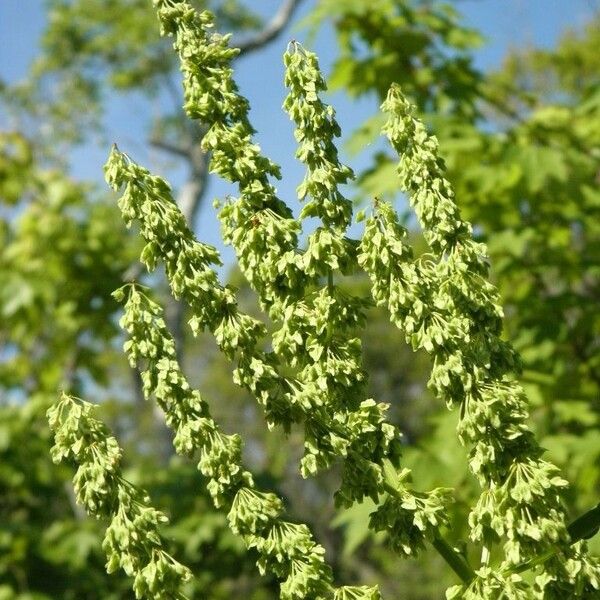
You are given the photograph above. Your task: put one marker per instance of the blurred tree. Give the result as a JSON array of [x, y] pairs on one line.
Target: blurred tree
[[63, 252], [92, 48]]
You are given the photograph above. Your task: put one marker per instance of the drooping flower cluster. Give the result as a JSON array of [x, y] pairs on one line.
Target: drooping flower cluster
[[320, 331], [445, 305], [326, 390], [316, 130], [360, 436], [132, 541], [285, 549]]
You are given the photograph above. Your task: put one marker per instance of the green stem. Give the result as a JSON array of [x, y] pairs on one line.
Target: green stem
[[455, 560], [531, 563], [582, 528]]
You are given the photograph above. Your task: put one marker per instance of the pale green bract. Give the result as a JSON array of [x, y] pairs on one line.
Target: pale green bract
[[442, 300]]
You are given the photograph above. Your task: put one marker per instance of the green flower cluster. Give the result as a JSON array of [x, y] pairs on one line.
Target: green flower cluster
[[315, 325], [285, 549], [319, 332], [360, 436], [442, 300], [259, 225], [192, 278], [132, 541], [316, 129], [445, 305]]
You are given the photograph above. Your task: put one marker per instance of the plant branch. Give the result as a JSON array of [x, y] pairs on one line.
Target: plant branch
[[179, 150], [455, 560], [582, 528], [272, 29], [174, 91], [189, 201]]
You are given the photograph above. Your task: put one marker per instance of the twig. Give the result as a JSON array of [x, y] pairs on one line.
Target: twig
[[455, 560], [273, 28], [180, 150]]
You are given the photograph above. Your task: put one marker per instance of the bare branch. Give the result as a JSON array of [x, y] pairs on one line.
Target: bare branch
[[192, 191], [174, 91], [189, 201], [183, 151], [273, 28], [78, 511]]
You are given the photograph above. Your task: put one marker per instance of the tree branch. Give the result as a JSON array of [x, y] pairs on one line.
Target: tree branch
[[192, 191], [189, 201], [272, 29], [180, 150]]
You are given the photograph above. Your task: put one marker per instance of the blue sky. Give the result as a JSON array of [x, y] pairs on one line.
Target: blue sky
[[504, 23]]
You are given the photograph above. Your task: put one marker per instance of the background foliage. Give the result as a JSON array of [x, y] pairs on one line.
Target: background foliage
[[522, 148]]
